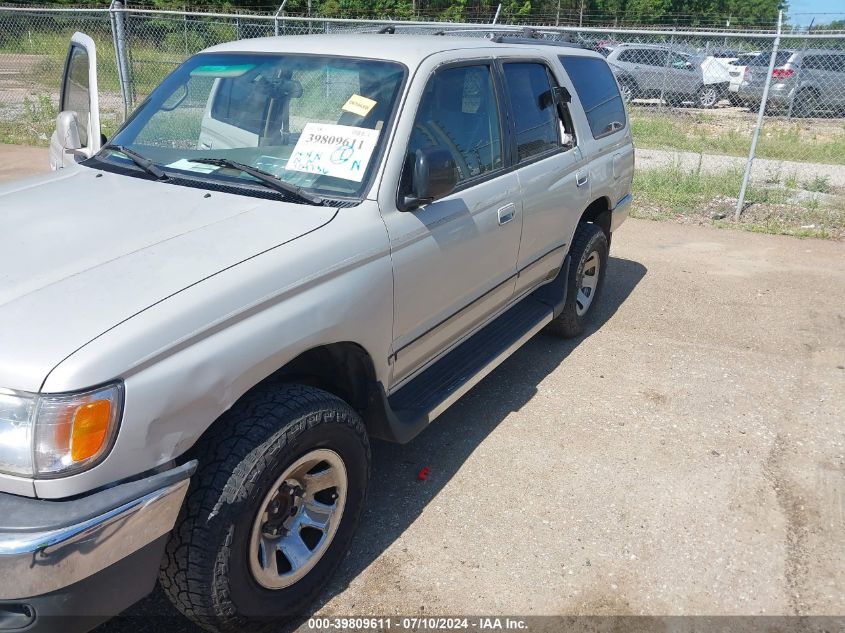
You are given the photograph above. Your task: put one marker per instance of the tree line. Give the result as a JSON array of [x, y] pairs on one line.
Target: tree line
[[681, 13]]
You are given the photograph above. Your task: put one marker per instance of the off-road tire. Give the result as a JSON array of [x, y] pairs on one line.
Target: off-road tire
[[589, 238], [205, 571]]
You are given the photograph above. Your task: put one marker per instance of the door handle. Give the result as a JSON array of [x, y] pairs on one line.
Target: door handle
[[581, 178], [507, 213]]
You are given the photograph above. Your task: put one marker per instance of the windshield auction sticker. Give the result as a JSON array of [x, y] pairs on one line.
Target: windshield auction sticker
[[341, 151], [358, 105]]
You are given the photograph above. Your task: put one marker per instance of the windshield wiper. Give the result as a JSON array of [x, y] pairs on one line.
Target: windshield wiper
[[265, 177], [142, 161]]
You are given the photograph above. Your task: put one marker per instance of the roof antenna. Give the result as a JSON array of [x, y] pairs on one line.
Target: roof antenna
[[387, 29]]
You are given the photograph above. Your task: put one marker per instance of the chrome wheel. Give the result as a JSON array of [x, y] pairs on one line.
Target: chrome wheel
[[626, 91], [708, 97], [589, 283], [298, 519]]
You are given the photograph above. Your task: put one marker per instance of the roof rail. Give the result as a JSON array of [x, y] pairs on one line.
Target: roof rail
[[515, 35]]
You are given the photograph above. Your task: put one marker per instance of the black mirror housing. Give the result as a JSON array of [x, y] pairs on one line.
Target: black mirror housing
[[435, 175]]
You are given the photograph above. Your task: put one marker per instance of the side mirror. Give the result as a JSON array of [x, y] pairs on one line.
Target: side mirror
[[67, 131], [435, 176]]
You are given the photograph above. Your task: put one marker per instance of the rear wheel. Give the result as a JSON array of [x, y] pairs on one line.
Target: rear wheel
[[589, 255], [627, 90], [708, 97], [271, 511], [806, 103]]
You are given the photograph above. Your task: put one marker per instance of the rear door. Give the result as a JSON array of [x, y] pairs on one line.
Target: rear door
[[553, 179], [78, 95]]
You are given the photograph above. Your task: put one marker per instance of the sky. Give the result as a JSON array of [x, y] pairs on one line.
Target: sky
[[810, 8]]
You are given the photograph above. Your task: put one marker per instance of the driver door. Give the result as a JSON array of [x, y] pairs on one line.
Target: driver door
[[77, 133]]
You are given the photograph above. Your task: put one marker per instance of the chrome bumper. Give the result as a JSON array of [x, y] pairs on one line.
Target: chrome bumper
[[33, 563]]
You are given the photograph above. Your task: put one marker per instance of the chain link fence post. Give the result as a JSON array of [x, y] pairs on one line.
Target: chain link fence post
[[740, 203], [276, 17], [118, 29]]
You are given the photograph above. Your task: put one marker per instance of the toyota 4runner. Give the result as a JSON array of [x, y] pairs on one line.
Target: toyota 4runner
[[293, 245]]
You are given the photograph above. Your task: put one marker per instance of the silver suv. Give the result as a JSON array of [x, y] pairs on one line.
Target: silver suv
[[809, 81], [293, 245], [650, 71]]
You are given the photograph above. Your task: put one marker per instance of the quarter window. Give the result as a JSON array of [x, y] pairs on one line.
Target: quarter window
[[535, 118], [458, 112], [599, 94]]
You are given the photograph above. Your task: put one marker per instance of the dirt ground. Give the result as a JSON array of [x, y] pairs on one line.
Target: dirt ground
[[685, 456], [20, 161]]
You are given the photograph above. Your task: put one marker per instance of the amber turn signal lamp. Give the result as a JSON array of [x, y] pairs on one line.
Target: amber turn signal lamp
[[90, 429]]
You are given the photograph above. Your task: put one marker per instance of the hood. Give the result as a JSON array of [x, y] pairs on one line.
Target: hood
[[83, 250]]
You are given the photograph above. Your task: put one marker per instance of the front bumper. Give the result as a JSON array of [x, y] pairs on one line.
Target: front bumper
[[89, 557]]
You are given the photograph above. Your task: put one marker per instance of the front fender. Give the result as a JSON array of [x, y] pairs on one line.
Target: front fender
[[188, 359]]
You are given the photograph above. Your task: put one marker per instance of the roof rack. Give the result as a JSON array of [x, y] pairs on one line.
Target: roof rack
[[524, 35]]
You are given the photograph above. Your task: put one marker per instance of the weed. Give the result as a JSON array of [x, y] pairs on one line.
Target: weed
[[819, 184]]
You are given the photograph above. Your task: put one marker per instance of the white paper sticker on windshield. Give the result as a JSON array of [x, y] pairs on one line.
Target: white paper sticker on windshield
[[359, 105], [187, 165], [341, 151]]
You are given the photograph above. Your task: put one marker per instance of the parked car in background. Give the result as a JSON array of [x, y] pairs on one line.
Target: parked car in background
[[808, 81], [736, 72], [648, 71], [714, 66]]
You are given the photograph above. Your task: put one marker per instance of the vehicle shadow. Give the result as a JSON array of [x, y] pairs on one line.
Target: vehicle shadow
[[396, 496]]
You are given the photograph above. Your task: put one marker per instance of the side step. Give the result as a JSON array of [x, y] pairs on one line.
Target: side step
[[435, 389]]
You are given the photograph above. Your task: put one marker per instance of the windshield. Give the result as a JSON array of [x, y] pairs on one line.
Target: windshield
[[314, 122]]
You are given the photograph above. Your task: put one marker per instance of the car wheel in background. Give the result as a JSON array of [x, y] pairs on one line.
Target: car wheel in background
[[806, 103], [708, 97], [271, 511], [627, 90], [589, 255]]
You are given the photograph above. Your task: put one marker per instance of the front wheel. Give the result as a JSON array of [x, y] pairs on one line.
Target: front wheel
[[587, 269], [271, 511]]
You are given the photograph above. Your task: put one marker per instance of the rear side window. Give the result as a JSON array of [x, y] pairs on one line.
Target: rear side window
[[535, 117], [824, 62], [781, 57], [229, 101], [599, 94]]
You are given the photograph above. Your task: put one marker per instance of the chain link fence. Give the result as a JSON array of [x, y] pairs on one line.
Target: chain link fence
[[696, 99]]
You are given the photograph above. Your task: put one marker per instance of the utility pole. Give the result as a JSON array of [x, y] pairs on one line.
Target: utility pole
[[581, 15]]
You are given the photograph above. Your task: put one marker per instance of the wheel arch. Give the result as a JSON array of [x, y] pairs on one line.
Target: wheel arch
[[598, 212], [344, 369]]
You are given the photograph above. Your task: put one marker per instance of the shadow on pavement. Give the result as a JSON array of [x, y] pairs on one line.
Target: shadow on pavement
[[396, 498]]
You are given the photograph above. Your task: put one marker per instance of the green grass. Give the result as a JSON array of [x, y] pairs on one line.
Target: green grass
[[779, 140], [672, 193], [819, 184], [33, 125]]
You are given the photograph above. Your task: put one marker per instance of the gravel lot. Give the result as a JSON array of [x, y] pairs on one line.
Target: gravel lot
[[687, 456]]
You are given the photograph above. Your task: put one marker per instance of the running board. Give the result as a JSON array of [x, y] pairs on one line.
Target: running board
[[404, 414], [428, 395]]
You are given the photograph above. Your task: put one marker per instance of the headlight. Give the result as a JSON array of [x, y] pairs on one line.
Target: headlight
[[56, 435]]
